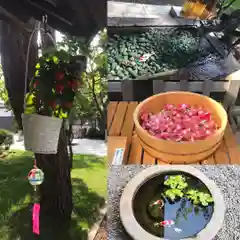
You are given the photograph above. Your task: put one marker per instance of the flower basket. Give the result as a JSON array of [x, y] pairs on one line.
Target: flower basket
[[44, 138], [180, 152], [49, 101]]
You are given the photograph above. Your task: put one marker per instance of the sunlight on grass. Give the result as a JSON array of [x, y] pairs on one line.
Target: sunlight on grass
[[94, 173], [89, 181], [236, 5], [23, 202]]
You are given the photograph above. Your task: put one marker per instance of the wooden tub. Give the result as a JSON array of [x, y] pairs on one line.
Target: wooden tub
[[173, 152]]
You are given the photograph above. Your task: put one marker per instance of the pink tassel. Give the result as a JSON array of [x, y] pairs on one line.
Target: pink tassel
[[35, 218]]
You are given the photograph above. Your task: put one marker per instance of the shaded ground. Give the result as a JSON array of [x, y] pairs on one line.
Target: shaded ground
[[15, 198]]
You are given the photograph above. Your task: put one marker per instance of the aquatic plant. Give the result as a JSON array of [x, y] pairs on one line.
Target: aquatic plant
[[176, 182], [198, 197], [178, 187]]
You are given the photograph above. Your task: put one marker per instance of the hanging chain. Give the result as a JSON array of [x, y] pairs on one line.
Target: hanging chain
[[35, 163], [45, 21]]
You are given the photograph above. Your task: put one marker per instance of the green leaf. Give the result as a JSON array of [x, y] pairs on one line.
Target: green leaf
[[63, 114], [30, 110], [37, 73], [29, 99], [170, 194], [55, 59]]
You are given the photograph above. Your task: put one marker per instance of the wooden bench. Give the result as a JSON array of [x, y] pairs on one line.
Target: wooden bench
[[121, 132]]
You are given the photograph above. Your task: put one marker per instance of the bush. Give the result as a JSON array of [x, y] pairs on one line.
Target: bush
[[94, 133], [6, 139]]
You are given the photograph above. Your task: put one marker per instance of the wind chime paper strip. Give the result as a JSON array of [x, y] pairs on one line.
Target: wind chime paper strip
[[35, 218], [118, 156]]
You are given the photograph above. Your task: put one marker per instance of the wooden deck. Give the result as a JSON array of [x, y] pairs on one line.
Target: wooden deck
[[102, 231], [121, 135]]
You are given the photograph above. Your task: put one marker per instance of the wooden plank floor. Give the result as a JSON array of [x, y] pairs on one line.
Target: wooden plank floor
[[120, 123], [102, 231]]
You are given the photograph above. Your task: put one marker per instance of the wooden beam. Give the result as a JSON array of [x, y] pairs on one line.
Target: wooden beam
[[5, 15], [50, 13]]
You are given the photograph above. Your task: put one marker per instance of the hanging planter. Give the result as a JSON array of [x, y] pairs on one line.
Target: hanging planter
[[49, 101], [43, 138]]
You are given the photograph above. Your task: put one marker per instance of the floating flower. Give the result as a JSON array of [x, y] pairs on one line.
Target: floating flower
[[179, 123]]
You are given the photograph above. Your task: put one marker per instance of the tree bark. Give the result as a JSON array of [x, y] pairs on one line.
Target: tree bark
[[13, 48], [56, 190]]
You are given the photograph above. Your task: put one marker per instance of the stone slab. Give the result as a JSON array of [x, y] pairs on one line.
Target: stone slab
[[137, 14]]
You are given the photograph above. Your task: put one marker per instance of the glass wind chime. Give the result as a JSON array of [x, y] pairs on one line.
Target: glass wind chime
[[35, 178]]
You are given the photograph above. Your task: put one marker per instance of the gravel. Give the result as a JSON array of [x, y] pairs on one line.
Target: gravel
[[227, 177]]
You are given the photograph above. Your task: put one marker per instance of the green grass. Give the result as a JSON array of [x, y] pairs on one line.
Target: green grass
[[89, 180], [236, 5]]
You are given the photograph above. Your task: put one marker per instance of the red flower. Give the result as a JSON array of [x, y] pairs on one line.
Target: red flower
[[59, 76], [68, 104], [73, 84], [35, 84], [59, 88], [53, 104]]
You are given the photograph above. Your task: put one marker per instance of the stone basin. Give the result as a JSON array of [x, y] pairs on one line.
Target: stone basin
[[135, 228]]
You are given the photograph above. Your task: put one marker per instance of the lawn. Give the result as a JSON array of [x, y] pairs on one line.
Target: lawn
[[89, 180], [236, 5]]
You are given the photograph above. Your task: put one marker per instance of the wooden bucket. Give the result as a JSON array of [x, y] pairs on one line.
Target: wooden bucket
[[180, 152]]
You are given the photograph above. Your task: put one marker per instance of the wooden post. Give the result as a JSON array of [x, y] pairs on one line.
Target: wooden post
[[127, 90], [232, 92]]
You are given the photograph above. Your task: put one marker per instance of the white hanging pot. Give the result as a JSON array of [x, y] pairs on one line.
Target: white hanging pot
[[41, 133]]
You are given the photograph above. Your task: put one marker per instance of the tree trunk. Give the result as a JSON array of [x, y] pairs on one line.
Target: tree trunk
[[13, 48], [56, 191]]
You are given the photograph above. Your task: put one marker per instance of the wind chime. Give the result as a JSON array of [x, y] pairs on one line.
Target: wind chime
[[35, 178]]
